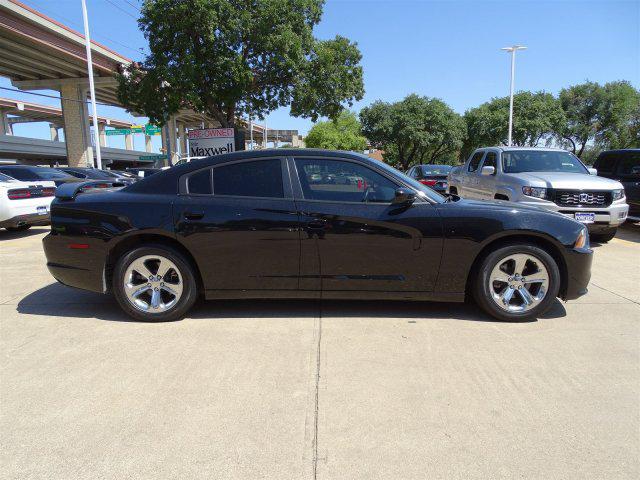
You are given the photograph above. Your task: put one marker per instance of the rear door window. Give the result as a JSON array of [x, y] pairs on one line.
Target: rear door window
[[199, 183], [475, 161], [259, 178]]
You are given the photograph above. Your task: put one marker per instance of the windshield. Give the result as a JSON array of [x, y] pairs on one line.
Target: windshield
[[541, 161], [436, 169], [432, 194]]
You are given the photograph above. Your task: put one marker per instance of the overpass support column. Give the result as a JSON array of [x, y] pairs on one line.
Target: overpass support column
[[170, 142], [53, 130], [102, 129], [75, 115], [148, 146], [5, 126], [128, 141]]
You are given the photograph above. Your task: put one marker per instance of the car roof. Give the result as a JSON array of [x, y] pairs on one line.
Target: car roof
[[166, 180], [540, 149]]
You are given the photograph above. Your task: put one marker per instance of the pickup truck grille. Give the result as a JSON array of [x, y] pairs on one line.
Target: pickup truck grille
[[581, 198]]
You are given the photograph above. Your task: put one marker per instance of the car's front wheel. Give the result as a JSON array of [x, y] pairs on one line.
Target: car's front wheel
[[517, 282], [154, 283]]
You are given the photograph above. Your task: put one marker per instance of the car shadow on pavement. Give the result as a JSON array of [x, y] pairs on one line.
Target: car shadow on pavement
[[57, 300], [7, 235]]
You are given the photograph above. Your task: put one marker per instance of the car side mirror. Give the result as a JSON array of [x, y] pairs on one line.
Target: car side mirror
[[593, 171], [404, 196], [488, 170]]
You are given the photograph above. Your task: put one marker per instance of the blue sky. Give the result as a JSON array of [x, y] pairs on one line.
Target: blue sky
[[445, 49]]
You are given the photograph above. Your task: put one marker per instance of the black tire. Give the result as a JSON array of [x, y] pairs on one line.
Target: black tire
[[604, 236], [453, 190], [186, 271], [481, 287], [21, 228]]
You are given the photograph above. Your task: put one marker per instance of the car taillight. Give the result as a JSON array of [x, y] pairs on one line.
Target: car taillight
[[48, 192], [19, 193], [428, 183]]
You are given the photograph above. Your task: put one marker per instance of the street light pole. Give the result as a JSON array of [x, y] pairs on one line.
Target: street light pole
[[512, 49], [87, 42]]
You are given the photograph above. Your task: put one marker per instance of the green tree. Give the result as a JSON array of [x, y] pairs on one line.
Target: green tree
[[343, 133], [535, 116], [414, 130], [620, 116], [229, 58], [583, 106]]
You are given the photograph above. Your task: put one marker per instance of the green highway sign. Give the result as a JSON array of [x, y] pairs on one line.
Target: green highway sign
[[137, 128], [118, 131], [152, 130], [151, 158]]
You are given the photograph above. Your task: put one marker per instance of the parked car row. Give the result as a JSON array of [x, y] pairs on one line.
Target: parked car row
[[601, 197], [197, 229], [26, 191]]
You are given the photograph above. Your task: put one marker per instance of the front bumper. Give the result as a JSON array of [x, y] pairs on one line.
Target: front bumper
[[27, 219], [607, 217], [578, 262]]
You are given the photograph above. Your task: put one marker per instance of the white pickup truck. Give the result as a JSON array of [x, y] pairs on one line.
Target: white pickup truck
[[550, 178]]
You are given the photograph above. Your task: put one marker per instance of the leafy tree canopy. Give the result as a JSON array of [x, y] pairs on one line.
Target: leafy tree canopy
[[535, 116], [583, 106], [620, 116], [229, 58], [414, 130], [343, 133]]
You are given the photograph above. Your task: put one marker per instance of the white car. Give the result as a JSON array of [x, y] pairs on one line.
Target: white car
[[23, 204]]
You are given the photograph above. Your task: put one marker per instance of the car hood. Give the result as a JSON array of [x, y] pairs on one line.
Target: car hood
[[570, 181]]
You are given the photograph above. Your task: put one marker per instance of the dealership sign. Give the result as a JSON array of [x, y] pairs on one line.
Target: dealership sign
[[211, 141]]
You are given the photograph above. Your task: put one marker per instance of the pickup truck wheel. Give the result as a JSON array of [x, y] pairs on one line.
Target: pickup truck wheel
[[154, 283], [604, 236], [517, 283]]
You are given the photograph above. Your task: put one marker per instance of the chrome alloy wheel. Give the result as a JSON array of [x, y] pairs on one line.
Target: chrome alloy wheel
[[518, 282], [153, 284]]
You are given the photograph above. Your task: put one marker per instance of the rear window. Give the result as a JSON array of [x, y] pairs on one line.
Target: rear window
[[20, 173], [260, 178]]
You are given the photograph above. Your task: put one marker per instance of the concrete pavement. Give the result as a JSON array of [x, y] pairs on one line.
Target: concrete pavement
[[327, 390]]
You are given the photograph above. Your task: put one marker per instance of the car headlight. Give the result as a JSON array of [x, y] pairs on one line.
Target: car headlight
[[583, 239], [536, 192], [618, 194]]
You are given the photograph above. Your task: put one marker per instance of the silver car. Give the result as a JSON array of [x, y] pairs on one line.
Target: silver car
[[550, 178]]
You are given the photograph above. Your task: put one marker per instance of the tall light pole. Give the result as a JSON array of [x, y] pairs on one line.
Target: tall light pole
[[87, 42], [512, 49]]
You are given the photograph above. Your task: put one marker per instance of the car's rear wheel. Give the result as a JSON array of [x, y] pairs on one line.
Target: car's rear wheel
[[154, 283], [517, 282], [604, 236]]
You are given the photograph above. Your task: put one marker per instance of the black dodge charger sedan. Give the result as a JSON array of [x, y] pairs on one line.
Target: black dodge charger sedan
[[272, 224]]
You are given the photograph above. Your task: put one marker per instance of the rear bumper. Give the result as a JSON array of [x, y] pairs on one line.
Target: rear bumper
[[27, 219], [79, 268], [578, 272]]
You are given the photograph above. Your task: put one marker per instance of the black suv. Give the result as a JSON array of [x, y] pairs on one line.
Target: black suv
[[624, 166]]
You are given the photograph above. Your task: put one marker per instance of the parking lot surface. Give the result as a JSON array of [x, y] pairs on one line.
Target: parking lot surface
[[308, 389]]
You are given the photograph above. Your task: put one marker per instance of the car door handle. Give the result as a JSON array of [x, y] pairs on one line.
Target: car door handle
[[193, 215]]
